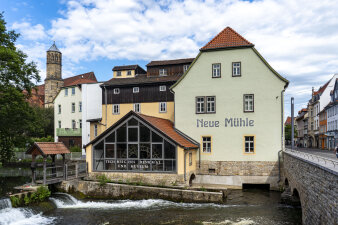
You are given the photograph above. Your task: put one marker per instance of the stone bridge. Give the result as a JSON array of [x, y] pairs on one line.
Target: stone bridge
[[313, 180]]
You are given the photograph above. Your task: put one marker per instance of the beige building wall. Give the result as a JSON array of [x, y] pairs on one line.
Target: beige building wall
[[124, 74], [257, 79]]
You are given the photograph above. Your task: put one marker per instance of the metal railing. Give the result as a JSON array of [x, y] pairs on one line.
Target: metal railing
[[313, 157]]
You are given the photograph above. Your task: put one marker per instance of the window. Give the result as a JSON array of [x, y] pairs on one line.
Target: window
[[163, 88], [190, 158], [136, 89], [73, 107], [163, 72], [59, 124], [216, 70], [185, 68], [73, 124], [80, 106], [71, 142], [116, 91], [66, 91], [163, 107], [137, 107], [129, 73], [95, 130], [205, 104], [133, 146], [80, 124], [249, 144], [73, 90], [206, 144], [211, 104], [248, 103], [236, 69], [118, 73], [59, 109], [116, 109]]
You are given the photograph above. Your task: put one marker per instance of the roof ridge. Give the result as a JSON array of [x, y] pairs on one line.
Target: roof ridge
[[155, 117]]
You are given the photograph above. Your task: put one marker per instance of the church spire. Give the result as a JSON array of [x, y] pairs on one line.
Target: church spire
[[53, 48]]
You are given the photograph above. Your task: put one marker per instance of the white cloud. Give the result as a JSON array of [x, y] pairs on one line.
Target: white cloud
[[298, 38], [30, 32]]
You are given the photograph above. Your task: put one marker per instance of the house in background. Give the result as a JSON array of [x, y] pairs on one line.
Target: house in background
[[74, 105], [332, 119], [301, 127]]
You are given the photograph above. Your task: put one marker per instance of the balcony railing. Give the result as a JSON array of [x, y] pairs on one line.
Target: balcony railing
[[62, 132]]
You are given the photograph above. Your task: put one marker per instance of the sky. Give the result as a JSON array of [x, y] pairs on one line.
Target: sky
[[299, 38]]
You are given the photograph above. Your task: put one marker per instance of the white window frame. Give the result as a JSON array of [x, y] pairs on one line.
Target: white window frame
[[251, 144], [163, 72], [73, 124], [73, 90], [80, 106], [137, 107], [73, 107], [246, 103], [116, 109], [210, 104], [216, 70], [116, 91], [66, 91], [185, 68], [59, 123], [95, 130], [200, 105], [136, 89], [59, 109], [118, 73], [163, 88], [206, 144], [163, 107], [236, 69]]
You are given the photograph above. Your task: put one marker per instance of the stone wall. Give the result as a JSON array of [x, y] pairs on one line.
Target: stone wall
[[241, 168], [317, 188], [121, 191], [163, 179]]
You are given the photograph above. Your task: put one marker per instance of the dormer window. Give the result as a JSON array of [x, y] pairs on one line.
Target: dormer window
[[163, 72], [129, 73], [185, 68], [118, 73], [116, 91], [136, 89]]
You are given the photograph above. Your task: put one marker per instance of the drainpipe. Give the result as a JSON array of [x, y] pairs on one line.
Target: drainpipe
[[185, 165], [105, 101], [282, 135]]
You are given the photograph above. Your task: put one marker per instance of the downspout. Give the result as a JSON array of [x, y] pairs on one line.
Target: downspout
[[105, 101], [185, 165], [282, 135]]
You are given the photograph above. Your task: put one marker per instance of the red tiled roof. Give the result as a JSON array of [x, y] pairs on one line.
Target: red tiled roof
[[81, 81], [37, 97], [321, 89], [74, 80], [288, 121], [49, 148], [167, 127], [227, 38]]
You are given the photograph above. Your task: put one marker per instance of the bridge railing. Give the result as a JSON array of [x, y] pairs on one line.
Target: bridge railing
[[315, 158]]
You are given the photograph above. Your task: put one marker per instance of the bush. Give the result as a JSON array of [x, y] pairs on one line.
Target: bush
[[102, 179], [15, 201], [75, 149]]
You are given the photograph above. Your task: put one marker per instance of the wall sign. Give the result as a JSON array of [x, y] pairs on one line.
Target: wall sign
[[227, 122]]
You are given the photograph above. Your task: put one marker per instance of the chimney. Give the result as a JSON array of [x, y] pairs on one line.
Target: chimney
[[313, 90]]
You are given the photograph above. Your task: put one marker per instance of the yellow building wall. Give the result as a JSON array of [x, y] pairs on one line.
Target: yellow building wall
[[89, 159], [147, 108], [100, 129], [124, 74], [180, 161]]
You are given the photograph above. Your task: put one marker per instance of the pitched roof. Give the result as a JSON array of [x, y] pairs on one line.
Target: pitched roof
[[322, 89], [53, 48], [77, 79], [128, 67], [48, 148], [141, 79], [163, 126], [170, 62], [227, 38], [288, 121]]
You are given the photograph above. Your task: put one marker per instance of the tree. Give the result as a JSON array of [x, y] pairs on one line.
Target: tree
[[288, 130], [16, 74]]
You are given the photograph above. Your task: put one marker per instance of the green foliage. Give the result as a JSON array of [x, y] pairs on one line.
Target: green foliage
[[27, 200], [75, 149], [15, 201], [103, 180], [42, 139], [17, 76], [288, 132], [40, 195]]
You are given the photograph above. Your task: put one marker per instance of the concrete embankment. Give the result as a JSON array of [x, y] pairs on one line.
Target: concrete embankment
[[91, 189]]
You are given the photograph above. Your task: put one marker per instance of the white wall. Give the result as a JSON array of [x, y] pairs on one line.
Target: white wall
[[91, 108], [325, 98]]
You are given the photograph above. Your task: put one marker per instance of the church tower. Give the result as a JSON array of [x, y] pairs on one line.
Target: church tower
[[53, 81]]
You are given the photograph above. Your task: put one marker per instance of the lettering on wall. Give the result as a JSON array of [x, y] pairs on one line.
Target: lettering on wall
[[228, 122]]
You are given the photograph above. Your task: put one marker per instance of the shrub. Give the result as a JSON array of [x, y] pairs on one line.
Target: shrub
[[15, 201], [75, 149], [102, 179]]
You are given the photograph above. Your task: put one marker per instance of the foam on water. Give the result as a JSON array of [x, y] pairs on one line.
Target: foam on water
[[229, 222], [68, 201], [22, 216]]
